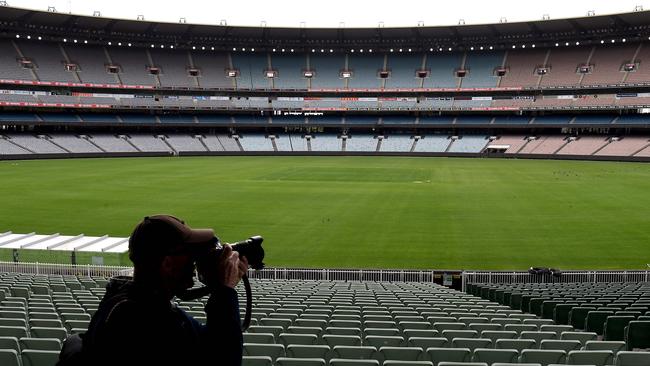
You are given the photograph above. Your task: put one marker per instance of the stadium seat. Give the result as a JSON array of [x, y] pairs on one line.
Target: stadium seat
[[46, 344], [451, 334], [341, 340], [266, 338], [350, 362], [595, 321], [544, 357], [517, 344], [629, 358], [257, 361], [578, 315], [32, 357], [308, 351], [9, 343], [9, 357], [471, 343], [427, 342], [289, 338], [437, 355], [17, 332], [272, 350], [284, 361], [45, 332], [614, 346], [561, 313], [407, 363], [354, 352], [583, 337], [564, 345], [491, 356], [637, 335], [381, 341], [597, 358], [445, 363], [400, 353], [614, 329]]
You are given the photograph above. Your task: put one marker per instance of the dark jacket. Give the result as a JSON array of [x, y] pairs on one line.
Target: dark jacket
[[135, 326]]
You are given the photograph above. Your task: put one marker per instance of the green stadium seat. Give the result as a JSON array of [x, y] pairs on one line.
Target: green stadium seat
[[614, 329], [518, 344], [583, 337], [560, 345], [382, 341], [520, 328], [341, 340], [48, 323], [451, 334], [427, 333], [47, 332], [257, 361], [537, 336], [542, 356], [491, 356], [305, 330], [629, 358], [275, 330], [400, 353], [595, 321], [344, 331], [479, 327], [494, 335], [614, 346], [388, 332], [597, 358], [538, 322], [637, 334], [351, 362], [284, 361], [407, 363], [308, 351], [266, 338], [442, 326], [305, 339], [354, 352], [437, 355], [9, 343], [471, 343], [256, 349], [13, 322], [9, 357], [463, 364], [428, 342], [558, 329], [46, 344], [9, 331], [32, 357], [44, 315], [578, 316]]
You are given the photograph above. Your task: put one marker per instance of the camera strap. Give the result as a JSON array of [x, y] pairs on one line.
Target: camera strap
[[249, 304]]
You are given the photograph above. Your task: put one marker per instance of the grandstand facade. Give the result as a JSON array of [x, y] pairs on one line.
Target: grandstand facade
[[85, 86]]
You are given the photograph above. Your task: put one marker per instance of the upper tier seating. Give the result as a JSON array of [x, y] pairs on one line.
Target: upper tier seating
[[210, 68]]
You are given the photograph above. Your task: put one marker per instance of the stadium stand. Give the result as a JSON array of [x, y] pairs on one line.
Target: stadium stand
[[468, 144], [397, 143], [255, 142], [325, 142], [361, 143], [301, 322]]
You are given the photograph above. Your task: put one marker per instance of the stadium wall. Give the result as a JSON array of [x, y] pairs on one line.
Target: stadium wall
[[328, 153]]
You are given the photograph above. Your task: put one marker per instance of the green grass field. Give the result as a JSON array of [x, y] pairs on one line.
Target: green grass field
[[361, 212]]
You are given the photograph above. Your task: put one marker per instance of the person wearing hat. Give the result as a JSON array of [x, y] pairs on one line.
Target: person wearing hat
[[137, 323]]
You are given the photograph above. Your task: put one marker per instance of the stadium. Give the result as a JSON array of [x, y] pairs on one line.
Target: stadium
[[406, 180]]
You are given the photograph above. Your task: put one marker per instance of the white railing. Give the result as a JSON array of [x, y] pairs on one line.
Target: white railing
[[64, 269], [387, 275], [472, 277]]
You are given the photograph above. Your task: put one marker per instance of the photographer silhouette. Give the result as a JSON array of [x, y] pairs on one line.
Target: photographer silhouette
[[138, 324]]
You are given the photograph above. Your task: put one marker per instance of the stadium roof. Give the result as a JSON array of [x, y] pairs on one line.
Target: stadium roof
[[79, 243], [43, 23]]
